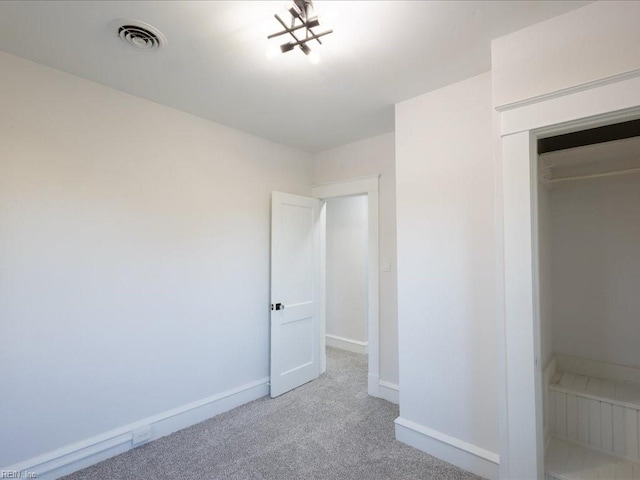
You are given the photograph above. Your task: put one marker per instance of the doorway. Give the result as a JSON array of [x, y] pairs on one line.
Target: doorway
[[588, 231], [366, 189], [604, 103], [346, 273]]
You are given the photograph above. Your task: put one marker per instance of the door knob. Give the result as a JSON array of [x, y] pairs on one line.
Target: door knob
[[279, 306]]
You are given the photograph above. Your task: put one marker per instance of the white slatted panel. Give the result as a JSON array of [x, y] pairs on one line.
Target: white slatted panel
[[618, 429], [572, 417], [606, 424], [583, 420], [561, 414], [594, 424], [601, 422]]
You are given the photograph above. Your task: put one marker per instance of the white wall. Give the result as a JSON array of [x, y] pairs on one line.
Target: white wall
[[596, 268], [447, 273], [587, 44], [134, 253], [346, 260], [545, 273], [374, 155]]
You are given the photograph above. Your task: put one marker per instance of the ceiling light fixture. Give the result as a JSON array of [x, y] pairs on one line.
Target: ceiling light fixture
[[302, 17]]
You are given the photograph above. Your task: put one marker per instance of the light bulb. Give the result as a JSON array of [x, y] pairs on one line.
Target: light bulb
[[314, 58]]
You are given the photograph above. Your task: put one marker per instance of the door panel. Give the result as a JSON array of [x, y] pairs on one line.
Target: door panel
[[295, 282], [297, 254], [298, 334]]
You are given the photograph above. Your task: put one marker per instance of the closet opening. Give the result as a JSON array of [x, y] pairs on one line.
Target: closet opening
[[588, 279], [346, 282]]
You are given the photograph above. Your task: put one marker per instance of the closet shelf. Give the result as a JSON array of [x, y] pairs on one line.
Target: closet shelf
[[618, 393]]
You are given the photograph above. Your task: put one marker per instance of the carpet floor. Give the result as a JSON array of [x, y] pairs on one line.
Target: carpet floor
[[327, 429]]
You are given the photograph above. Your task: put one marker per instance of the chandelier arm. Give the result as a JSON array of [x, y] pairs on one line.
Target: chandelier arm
[[289, 31], [315, 36]]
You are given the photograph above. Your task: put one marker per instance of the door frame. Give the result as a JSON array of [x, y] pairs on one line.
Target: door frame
[[358, 186], [521, 124]]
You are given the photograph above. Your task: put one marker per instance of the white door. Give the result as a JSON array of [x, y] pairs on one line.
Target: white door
[[295, 287]]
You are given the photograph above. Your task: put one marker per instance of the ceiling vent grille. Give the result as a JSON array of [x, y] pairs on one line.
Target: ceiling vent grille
[[141, 35]]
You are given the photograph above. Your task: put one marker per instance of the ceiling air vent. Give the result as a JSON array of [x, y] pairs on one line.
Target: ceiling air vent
[[141, 35]]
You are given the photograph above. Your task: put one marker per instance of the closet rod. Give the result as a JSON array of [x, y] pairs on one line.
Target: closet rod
[[595, 175]]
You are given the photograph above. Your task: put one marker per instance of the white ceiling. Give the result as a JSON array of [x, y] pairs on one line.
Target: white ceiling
[[214, 66]]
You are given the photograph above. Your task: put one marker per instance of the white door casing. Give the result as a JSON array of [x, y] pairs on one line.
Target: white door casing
[[295, 291], [590, 105], [358, 186]]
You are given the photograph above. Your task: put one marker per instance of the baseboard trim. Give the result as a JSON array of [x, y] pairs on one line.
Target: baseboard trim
[[453, 450], [348, 344], [90, 451], [389, 391]]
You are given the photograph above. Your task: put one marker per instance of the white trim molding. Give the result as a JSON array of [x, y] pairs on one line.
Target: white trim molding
[[569, 90], [453, 450], [90, 451], [342, 188], [389, 391], [343, 343], [575, 109]]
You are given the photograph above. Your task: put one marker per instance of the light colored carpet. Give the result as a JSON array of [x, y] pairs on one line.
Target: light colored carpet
[[326, 429]]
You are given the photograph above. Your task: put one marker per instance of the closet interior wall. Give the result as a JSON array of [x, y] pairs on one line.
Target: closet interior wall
[[589, 248], [589, 299]]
